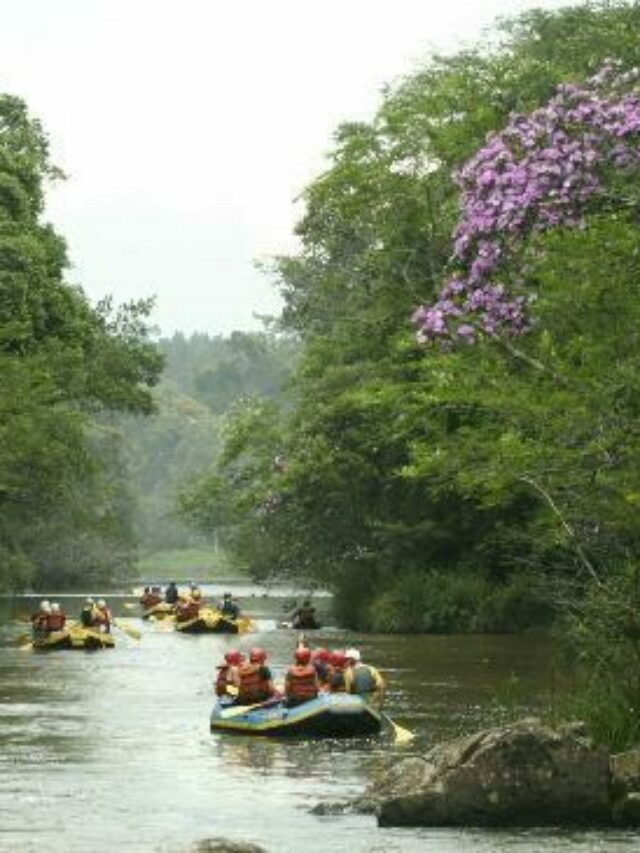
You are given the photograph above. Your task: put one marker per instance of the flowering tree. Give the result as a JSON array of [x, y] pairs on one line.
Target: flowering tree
[[544, 170]]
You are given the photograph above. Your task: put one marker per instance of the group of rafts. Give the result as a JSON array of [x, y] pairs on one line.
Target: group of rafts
[[320, 698], [191, 614]]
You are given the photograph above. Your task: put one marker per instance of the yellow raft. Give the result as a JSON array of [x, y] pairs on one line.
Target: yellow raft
[[74, 637], [212, 621], [158, 612]]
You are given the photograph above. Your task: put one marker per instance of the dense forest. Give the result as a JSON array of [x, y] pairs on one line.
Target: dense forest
[[204, 379], [474, 468], [65, 510]]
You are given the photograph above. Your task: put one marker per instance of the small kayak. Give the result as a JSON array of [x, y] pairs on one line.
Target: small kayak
[[301, 625], [164, 610], [75, 637], [211, 621], [330, 715]]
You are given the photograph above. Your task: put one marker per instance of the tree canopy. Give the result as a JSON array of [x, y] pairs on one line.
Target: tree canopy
[[445, 487], [63, 364]]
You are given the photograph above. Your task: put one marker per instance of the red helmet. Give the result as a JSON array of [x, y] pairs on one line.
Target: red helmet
[[233, 657], [337, 658], [302, 655], [257, 655], [321, 654]]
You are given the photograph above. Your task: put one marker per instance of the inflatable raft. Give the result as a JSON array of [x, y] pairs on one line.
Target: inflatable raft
[[330, 715], [75, 637], [159, 611], [210, 621]]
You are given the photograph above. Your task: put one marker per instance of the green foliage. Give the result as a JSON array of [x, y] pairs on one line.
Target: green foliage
[[442, 602], [448, 490], [601, 650], [64, 513]]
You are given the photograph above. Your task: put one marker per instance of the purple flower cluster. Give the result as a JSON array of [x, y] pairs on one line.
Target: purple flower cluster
[[540, 172]]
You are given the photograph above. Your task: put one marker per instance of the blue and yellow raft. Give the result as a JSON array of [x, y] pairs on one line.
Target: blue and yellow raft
[[330, 715]]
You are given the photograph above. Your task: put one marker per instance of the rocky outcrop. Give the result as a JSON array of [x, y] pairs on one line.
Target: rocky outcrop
[[523, 774]]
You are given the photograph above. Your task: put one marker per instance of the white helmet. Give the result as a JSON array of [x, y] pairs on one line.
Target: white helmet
[[45, 606], [55, 607], [102, 602], [352, 654]]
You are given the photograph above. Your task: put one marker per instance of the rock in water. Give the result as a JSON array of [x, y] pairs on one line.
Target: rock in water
[[225, 845], [522, 774]]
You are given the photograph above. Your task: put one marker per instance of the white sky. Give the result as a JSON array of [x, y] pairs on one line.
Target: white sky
[[188, 127]]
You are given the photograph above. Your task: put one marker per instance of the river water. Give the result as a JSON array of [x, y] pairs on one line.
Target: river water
[[112, 750]]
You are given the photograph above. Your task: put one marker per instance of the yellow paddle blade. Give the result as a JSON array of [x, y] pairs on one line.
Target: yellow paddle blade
[[129, 605], [401, 735], [126, 629], [28, 647]]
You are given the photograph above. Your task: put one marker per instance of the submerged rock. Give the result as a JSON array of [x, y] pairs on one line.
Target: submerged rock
[[522, 774], [225, 845]]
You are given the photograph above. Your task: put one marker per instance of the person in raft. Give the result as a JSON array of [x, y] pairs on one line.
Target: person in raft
[[102, 617], [227, 678], [228, 607], [362, 678], [39, 619], [56, 619], [253, 679], [150, 597], [301, 681], [171, 593], [337, 663]]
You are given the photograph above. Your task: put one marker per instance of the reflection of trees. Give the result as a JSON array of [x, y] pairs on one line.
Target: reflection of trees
[[298, 758]]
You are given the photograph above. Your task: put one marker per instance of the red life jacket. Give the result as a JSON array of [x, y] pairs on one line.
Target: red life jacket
[[253, 686], [188, 610], [55, 621], [301, 682], [150, 599]]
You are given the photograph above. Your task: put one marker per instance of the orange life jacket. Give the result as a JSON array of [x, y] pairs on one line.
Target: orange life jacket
[[253, 686], [188, 610], [55, 621], [301, 682]]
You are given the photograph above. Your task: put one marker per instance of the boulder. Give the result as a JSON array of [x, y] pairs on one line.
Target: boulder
[[522, 774], [625, 772]]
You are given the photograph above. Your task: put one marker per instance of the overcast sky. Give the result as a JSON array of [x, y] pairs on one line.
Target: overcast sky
[[188, 127]]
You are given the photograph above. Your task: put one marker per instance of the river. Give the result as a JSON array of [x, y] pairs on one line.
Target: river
[[112, 750]]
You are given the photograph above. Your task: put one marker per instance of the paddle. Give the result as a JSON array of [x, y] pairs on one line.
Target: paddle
[[400, 735], [126, 629], [129, 605], [237, 710]]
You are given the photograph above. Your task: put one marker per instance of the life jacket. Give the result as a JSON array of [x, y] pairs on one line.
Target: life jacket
[[253, 686], [188, 610], [150, 599], [301, 682], [55, 621], [361, 679], [337, 683], [87, 616], [322, 671], [222, 680]]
